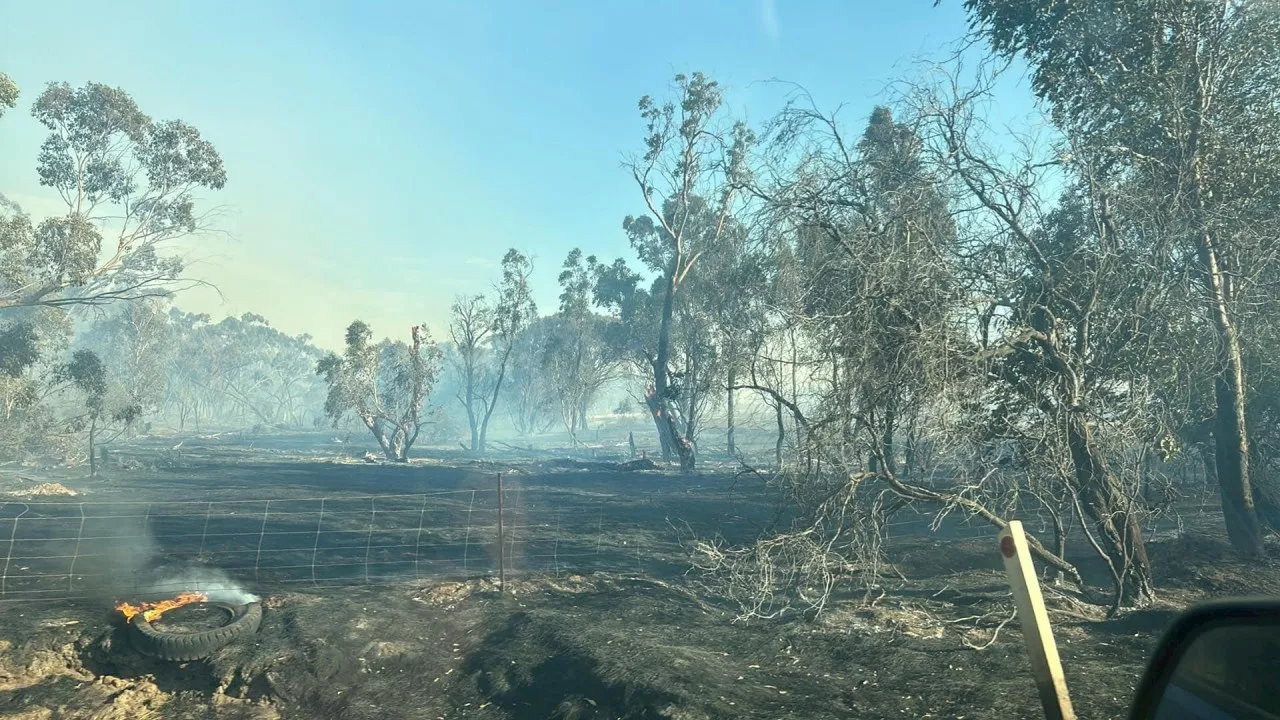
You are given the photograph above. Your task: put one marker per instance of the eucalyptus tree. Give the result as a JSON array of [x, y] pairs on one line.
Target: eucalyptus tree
[[875, 289], [1180, 95], [485, 333], [690, 176], [235, 371], [577, 359], [128, 184], [385, 385], [103, 410], [134, 341], [531, 397], [512, 313], [8, 93]]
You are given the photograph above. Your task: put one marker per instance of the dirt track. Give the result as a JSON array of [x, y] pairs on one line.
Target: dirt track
[[627, 638]]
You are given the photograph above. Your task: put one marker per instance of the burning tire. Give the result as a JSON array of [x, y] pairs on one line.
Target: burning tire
[[165, 641]]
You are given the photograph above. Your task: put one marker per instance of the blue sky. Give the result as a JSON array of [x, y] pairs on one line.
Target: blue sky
[[383, 156]]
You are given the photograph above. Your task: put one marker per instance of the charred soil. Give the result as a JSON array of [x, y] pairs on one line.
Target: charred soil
[[638, 641]]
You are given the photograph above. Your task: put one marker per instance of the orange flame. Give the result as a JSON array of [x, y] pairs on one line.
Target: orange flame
[[151, 611]]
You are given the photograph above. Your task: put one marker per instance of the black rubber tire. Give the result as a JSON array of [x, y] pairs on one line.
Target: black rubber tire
[[185, 647]]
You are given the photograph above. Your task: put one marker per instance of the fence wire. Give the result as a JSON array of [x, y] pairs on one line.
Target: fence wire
[[90, 549], [126, 549]]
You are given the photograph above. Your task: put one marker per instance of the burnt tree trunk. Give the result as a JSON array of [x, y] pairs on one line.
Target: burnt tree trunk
[[1117, 529], [690, 423], [478, 444], [657, 411], [909, 452], [733, 380], [93, 450], [1230, 427], [659, 399], [473, 422], [400, 445], [572, 425], [782, 436], [377, 428], [887, 440], [1230, 424]]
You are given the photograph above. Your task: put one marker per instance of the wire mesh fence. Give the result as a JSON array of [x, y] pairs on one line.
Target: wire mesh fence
[[75, 549], [123, 548], [58, 549]]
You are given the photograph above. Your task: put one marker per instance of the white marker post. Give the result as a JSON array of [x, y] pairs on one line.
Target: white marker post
[[1046, 667]]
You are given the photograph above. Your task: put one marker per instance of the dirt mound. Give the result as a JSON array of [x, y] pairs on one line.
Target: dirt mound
[[23, 666]]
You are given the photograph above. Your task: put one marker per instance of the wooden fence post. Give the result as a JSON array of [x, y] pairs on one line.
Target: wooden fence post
[[1046, 666]]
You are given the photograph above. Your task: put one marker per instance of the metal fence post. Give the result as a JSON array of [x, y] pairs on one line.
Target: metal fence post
[[502, 551]]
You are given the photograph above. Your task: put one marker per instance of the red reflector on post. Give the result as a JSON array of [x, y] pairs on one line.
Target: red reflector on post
[[1006, 546]]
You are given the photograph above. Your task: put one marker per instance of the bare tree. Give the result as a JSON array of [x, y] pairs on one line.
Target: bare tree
[[889, 261], [484, 335], [531, 395], [470, 325], [1068, 325]]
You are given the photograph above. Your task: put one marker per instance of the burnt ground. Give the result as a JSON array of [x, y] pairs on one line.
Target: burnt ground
[[608, 627]]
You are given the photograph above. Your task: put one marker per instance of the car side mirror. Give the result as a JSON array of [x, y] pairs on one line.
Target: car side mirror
[[1219, 661]]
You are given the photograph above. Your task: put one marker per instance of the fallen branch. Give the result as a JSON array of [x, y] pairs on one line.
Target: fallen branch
[[916, 492], [628, 466], [994, 636]]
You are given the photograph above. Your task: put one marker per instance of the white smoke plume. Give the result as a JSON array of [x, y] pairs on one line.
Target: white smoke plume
[[212, 581], [138, 570]]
